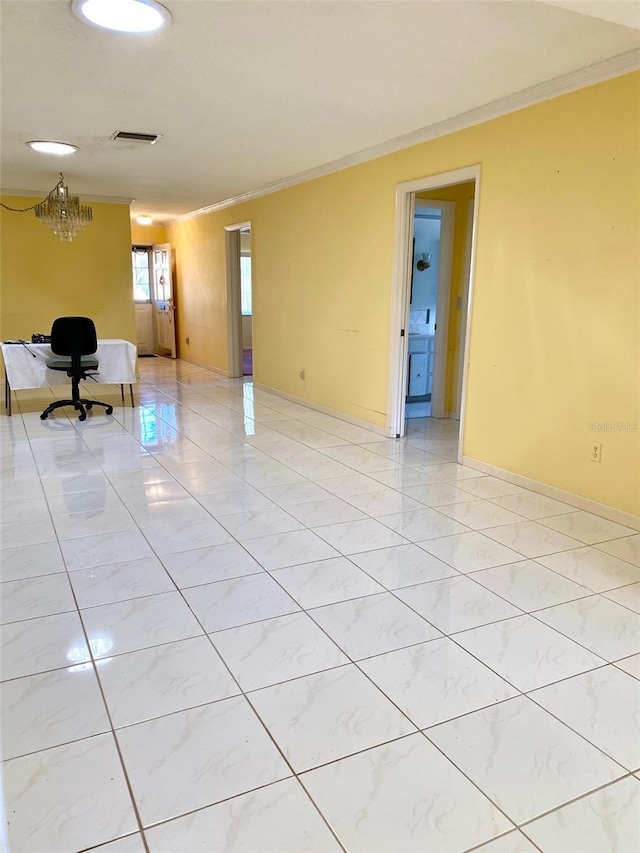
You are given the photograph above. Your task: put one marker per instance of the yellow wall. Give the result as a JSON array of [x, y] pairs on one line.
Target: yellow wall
[[42, 278], [554, 330], [148, 235], [460, 195]]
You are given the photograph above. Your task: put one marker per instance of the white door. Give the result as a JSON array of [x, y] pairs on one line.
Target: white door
[[144, 328], [164, 310]]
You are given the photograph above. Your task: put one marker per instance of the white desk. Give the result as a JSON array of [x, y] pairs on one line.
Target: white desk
[[26, 367]]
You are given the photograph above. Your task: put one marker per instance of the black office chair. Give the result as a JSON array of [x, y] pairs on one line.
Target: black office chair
[[74, 342]]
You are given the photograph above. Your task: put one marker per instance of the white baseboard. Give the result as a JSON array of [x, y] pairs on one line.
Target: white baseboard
[[350, 419], [206, 366], [618, 515]]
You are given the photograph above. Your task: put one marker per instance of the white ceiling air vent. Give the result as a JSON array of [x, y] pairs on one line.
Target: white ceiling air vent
[[127, 136]]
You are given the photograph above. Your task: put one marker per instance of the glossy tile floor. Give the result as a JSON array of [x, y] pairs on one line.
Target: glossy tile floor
[[231, 623]]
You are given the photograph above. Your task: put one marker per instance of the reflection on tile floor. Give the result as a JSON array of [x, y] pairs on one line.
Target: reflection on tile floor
[[232, 623]]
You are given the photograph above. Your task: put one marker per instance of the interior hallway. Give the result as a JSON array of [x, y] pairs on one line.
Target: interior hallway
[[232, 623]]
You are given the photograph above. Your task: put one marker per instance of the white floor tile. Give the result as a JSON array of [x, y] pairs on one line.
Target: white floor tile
[[469, 552], [119, 582], [406, 796], [278, 817], [278, 649], [384, 502], [161, 680], [38, 645], [525, 760], [34, 597], [422, 524], [354, 536], [185, 536], [329, 715], [357, 484], [456, 604], [531, 505], [260, 522], [527, 653], [605, 820], [591, 568], [198, 757], [127, 626], [326, 513], [93, 523], [630, 665], [480, 514], [50, 709], [34, 532], [529, 585], [370, 626], [329, 511], [512, 842], [628, 596], [451, 472], [67, 798], [325, 582], [28, 561], [403, 565], [626, 549], [606, 628], [296, 494], [436, 681], [207, 565], [603, 706], [289, 549], [436, 494], [489, 488], [586, 527], [127, 844], [227, 604], [103, 550], [531, 539]]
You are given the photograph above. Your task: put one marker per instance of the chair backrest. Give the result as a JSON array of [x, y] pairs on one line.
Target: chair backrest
[[74, 336]]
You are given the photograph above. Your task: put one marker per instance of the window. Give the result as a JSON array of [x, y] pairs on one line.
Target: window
[[245, 284], [141, 264]]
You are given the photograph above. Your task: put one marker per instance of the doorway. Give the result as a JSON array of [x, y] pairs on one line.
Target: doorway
[[153, 299], [440, 369], [429, 297], [240, 336]]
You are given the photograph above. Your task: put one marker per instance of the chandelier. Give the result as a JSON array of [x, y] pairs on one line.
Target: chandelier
[[63, 213]]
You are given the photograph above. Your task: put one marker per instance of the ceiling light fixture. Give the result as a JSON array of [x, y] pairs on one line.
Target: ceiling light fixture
[[123, 16], [144, 220], [60, 149], [60, 210]]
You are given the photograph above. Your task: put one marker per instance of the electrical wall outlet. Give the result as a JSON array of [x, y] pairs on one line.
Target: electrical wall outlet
[[596, 451], [187, 341], [302, 376]]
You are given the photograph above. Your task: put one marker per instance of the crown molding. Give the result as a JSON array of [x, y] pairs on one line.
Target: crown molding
[[97, 199], [616, 66]]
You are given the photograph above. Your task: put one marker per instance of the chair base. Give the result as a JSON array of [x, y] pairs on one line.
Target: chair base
[[79, 404]]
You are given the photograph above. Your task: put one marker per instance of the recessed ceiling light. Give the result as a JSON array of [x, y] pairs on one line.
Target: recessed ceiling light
[[144, 220], [60, 149], [124, 16]]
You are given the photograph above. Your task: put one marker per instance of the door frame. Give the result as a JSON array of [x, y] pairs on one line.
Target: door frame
[[234, 303], [443, 297], [401, 281]]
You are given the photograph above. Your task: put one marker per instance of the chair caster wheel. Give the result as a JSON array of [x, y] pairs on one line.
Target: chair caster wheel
[[82, 416], [110, 410], [44, 416], [88, 406]]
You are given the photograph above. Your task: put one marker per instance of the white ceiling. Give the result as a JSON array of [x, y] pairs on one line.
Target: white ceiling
[[249, 93]]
